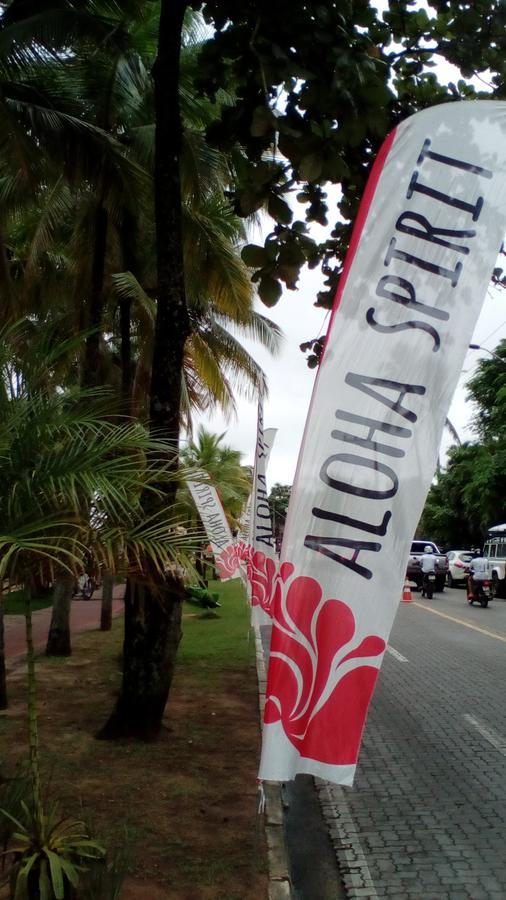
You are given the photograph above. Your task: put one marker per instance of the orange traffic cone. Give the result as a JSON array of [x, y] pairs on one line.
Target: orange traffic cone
[[406, 593]]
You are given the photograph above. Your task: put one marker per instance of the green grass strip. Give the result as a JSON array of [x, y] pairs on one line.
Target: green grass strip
[[14, 603], [222, 637]]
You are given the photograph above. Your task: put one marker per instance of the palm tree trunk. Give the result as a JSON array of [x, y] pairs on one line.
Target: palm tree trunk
[[172, 325], [33, 733], [91, 374], [153, 615], [3, 682], [106, 608], [126, 349], [129, 234], [8, 310], [152, 636], [58, 640]]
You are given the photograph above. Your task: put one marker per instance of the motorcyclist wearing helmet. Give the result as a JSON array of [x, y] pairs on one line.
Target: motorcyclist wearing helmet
[[479, 571], [428, 566]]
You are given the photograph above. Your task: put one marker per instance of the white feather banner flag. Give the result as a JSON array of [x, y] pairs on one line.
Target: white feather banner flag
[[423, 249], [269, 437], [261, 555], [214, 520]]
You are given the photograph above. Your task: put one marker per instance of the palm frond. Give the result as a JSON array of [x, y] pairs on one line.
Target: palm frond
[[203, 169], [57, 207], [28, 35], [256, 327], [214, 268], [214, 388], [127, 287], [142, 145], [244, 375]]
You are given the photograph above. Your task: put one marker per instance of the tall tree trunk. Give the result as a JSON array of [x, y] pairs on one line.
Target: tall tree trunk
[[172, 325], [8, 306], [106, 608], [33, 732], [152, 636], [153, 614], [58, 640], [126, 350], [130, 238], [3, 682], [91, 373]]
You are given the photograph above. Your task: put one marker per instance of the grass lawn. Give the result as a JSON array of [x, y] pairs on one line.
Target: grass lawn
[[186, 804], [14, 603]]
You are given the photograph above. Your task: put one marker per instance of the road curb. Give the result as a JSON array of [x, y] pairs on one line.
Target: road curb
[[342, 829], [280, 887]]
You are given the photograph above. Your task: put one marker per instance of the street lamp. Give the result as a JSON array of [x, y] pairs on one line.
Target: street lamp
[[495, 355]]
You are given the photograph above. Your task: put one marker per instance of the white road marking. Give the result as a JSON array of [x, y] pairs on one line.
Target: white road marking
[[490, 734], [486, 631], [395, 653]]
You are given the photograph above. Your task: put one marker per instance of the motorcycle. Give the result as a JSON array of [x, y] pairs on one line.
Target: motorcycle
[[84, 589], [428, 584], [479, 592]]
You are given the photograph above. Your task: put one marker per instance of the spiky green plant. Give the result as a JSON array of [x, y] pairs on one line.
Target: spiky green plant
[[49, 854]]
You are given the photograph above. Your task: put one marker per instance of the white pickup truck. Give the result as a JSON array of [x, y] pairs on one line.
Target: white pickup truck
[[414, 571], [495, 551]]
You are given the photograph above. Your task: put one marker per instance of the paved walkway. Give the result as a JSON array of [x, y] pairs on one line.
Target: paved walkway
[[84, 616]]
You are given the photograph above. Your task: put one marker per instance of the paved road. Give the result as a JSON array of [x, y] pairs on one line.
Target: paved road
[[84, 616], [426, 818]]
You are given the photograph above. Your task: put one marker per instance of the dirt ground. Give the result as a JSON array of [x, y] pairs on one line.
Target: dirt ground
[[185, 805]]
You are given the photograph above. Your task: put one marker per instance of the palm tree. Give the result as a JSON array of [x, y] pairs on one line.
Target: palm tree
[[48, 140], [223, 465], [105, 205], [96, 228], [72, 485], [73, 478]]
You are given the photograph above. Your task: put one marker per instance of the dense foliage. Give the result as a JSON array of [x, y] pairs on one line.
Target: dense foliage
[[470, 494], [279, 499], [317, 87]]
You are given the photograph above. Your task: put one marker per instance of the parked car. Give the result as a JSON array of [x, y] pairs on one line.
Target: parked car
[[414, 572], [458, 566]]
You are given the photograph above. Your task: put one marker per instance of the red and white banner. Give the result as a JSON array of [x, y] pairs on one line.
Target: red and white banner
[[214, 520], [423, 249], [253, 557], [261, 560], [244, 530]]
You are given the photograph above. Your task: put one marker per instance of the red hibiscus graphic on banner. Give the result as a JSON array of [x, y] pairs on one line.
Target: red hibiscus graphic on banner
[[231, 557], [244, 551], [261, 570], [227, 562], [320, 680]]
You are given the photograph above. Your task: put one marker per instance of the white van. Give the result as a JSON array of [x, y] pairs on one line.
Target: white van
[[495, 551]]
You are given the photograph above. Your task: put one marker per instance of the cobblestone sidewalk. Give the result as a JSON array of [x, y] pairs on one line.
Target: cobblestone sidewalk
[[426, 818]]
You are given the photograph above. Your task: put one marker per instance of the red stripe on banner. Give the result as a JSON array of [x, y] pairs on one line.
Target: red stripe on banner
[[363, 212]]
